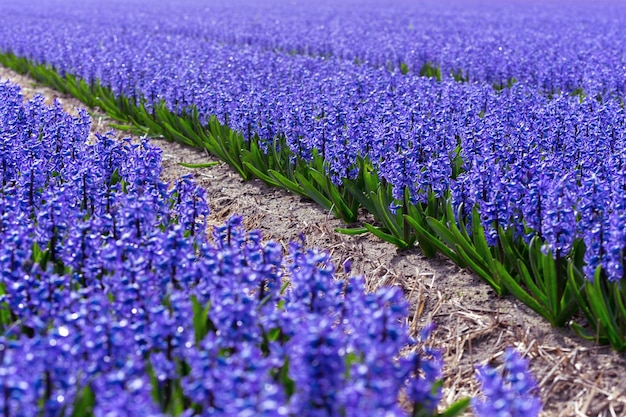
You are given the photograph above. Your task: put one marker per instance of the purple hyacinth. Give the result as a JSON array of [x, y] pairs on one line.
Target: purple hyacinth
[[512, 393], [424, 389]]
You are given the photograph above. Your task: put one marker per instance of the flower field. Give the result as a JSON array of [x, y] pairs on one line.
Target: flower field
[[492, 136]]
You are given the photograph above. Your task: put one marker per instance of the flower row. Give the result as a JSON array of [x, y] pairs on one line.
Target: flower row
[[573, 49]]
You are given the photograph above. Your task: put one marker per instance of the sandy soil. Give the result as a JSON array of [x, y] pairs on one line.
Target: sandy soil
[[576, 378]]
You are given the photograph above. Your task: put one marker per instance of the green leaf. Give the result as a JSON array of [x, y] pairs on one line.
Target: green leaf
[[370, 178], [5, 316], [512, 255], [125, 128], [190, 132], [364, 198], [617, 291], [273, 334], [319, 177], [582, 332], [313, 193], [567, 311], [385, 214], [201, 319], [578, 285], [175, 134], [154, 382], [442, 231], [177, 403], [143, 118], [84, 402], [529, 282], [404, 68], [115, 177], [485, 274], [427, 242], [255, 157], [466, 246], [549, 277], [352, 230], [534, 260], [514, 288], [457, 408], [288, 383], [341, 208], [386, 236], [262, 175], [203, 165], [600, 304], [286, 182], [480, 242]]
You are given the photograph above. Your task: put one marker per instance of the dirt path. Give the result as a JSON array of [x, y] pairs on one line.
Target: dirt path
[[576, 378]]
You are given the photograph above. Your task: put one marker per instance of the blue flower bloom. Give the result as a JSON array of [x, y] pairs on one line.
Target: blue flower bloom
[[510, 393]]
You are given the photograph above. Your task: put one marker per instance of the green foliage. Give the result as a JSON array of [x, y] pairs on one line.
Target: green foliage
[[580, 93], [464, 249], [538, 279], [501, 85], [604, 305], [376, 197], [6, 319], [202, 324], [404, 68], [456, 409], [205, 165], [84, 402], [459, 77], [431, 70]]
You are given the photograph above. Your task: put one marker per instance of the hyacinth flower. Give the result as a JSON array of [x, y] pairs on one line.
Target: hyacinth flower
[[424, 389], [511, 393]]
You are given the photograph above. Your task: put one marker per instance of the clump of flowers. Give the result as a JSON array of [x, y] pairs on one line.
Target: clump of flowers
[[512, 393]]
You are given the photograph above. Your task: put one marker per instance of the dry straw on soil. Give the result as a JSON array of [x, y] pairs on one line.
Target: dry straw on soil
[[576, 378]]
